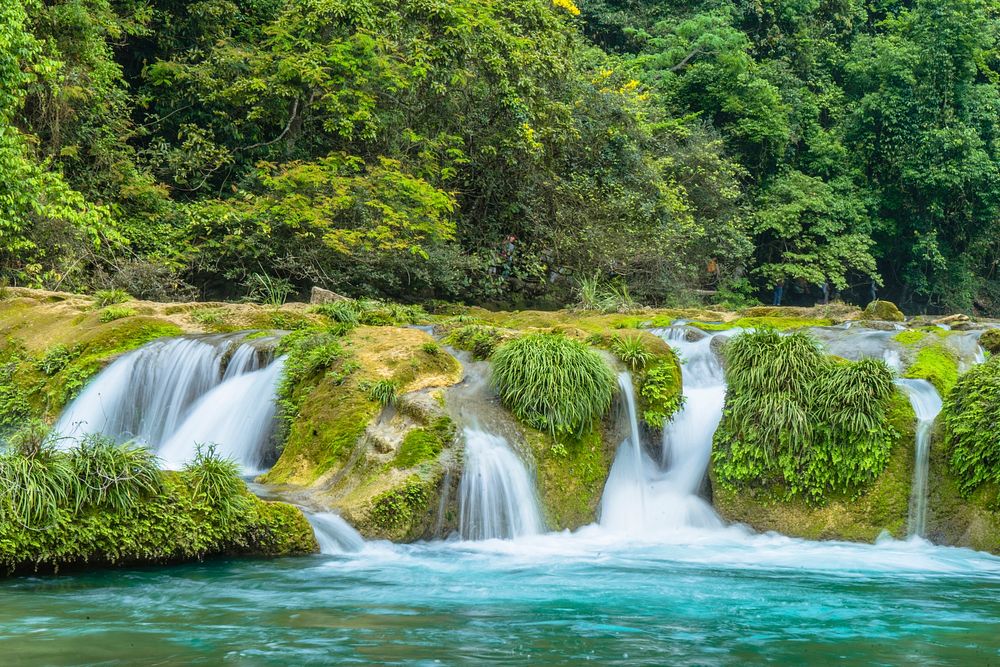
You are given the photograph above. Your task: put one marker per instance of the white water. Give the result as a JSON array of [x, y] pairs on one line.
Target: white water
[[334, 535], [927, 405], [643, 496], [174, 394], [497, 498]]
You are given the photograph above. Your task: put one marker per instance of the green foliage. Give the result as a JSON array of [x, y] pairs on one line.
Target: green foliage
[[660, 393], [383, 392], [970, 415], [910, 337], [35, 481], [109, 297], [55, 359], [631, 350], [553, 383], [480, 339], [112, 313], [796, 419]]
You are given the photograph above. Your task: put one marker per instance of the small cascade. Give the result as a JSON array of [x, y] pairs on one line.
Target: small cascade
[[497, 497], [643, 496], [623, 504], [334, 535], [927, 404], [175, 393]]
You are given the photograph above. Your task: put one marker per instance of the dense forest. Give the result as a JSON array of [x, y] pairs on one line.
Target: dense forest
[[504, 151]]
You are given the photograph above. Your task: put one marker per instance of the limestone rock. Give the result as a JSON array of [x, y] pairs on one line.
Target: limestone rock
[[885, 311], [320, 296]]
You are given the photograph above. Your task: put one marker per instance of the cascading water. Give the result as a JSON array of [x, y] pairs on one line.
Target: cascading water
[[496, 495], [927, 405], [334, 535], [174, 394], [643, 495]]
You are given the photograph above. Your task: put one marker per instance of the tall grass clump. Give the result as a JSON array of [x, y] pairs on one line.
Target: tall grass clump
[[215, 480], [553, 383], [611, 296], [798, 420], [112, 476], [970, 415], [268, 290], [632, 351], [35, 479]]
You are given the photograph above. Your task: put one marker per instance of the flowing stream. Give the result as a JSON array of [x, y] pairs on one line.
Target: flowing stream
[[927, 405]]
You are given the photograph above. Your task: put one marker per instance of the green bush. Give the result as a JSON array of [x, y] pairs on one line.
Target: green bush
[[383, 392], [660, 393], [112, 476], [553, 383], [215, 480], [606, 297], [970, 415], [797, 419]]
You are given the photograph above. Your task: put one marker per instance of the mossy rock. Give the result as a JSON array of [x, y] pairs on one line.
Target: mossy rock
[[937, 364], [175, 525], [990, 340], [883, 506], [954, 520], [886, 311]]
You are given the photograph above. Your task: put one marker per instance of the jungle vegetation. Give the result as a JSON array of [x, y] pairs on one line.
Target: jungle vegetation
[[503, 151]]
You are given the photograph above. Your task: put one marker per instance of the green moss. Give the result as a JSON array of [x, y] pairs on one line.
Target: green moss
[[781, 323], [990, 340], [394, 512], [424, 444], [885, 311], [571, 475], [479, 339], [936, 364], [910, 337]]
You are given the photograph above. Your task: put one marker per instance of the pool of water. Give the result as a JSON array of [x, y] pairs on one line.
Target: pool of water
[[711, 598]]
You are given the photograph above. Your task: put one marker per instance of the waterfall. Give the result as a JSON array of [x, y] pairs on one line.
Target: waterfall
[[644, 496], [496, 496], [175, 393], [623, 504], [334, 535], [927, 404]]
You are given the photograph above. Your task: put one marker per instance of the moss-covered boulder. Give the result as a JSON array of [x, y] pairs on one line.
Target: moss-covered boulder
[[990, 340], [855, 516], [380, 465], [885, 311]]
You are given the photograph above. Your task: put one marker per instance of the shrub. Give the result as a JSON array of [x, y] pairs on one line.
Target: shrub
[[431, 348], [344, 312], [553, 383], [35, 480], [797, 419], [479, 339], [109, 297], [970, 415], [632, 351], [112, 313]]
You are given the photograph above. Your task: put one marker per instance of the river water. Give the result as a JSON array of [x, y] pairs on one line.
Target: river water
[[696, 598]]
